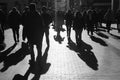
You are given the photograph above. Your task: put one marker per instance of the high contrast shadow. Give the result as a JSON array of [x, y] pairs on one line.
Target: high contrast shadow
[[84, 52], [16, 57], [3, 55], [101, 29], [102, 35], [98, 40], [115, 36], [39, 68]]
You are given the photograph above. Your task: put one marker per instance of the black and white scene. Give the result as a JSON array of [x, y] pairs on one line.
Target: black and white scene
[[59, 39]]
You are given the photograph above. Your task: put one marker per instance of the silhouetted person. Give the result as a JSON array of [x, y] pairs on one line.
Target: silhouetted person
[[78, 26], [90, 27], [69, 21], [47, 19], [24, 19], [2, 19], [118, 20], [95, 19], [85, 19], [34, 31], [14, 20], [59, 21], [108, 17]]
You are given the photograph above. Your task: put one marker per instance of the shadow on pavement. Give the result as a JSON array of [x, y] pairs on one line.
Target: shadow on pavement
[[15, 58], [40, 67], [102, 35], [85, 53], [115, 36], [4, 54], [98, 40]]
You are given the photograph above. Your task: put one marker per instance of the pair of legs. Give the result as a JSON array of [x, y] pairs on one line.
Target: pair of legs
[[47, 36], [16, 34], [90, 30], [108, 26], [78, 36], [68, 31]]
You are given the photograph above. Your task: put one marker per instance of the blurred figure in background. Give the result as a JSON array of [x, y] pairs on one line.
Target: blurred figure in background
[[14, 20], [108, 17], [118, 20], [24, 19], [90, 24], [47, 19], [78, 25], [69, 20]]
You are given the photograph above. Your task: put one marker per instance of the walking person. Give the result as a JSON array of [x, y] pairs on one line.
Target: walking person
[[34, 33], [78, 27], [14, 20], [69, 20], [23, 20], [47, 19], [108, 17], [118, 20], [90, 24]]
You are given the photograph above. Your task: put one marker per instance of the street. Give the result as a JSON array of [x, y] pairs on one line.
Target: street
[[66, 63]]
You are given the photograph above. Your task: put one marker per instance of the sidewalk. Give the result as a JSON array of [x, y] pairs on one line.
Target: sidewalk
[[67, 64]]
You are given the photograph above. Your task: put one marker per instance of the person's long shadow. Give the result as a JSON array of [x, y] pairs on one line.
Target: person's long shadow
[[16, 57], [4, 54], [115, 36], [85, 53], [38, 69], [98, 40], [102, 35]]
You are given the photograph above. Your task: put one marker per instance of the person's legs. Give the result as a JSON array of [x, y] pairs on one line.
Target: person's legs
[[14, 35], [47, 37], [77, 36], [108, 24], [17, 33], [24, 33]]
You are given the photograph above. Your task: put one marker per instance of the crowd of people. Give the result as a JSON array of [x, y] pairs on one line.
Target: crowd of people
[[90, 20], [36, 23]]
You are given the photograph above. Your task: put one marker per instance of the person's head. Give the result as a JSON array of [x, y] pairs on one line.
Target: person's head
[[32, 6], [44, 9], [26, 8], [14, 9]]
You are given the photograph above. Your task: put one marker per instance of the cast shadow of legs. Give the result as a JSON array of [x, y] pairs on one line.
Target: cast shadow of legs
[[98, 40], [4, 54], [39, 68], [84, 52], [15, 58]]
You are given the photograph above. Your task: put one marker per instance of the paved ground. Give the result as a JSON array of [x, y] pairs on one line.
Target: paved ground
[[66, 63]]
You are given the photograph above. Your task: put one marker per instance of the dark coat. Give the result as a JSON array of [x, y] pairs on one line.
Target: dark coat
[[14, 19], [69, 18], [34, 27], [78, 22]]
